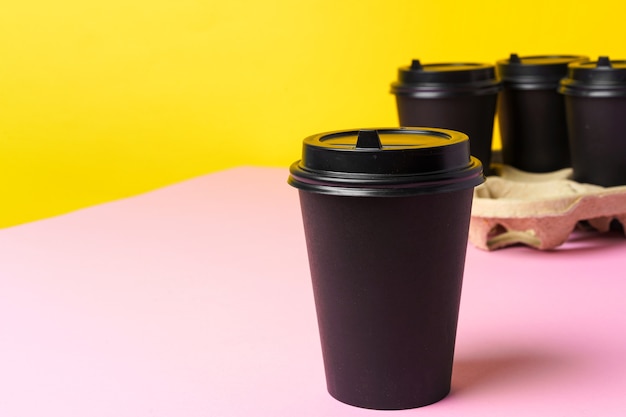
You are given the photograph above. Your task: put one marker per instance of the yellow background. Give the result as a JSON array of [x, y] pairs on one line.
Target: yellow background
[[105, 99]]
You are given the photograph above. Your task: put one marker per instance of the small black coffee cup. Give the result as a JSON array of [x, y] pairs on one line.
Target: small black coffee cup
[[531, 113], [595, 102], [460, 96]]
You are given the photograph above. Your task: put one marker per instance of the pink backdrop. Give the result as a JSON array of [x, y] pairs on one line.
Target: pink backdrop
[[195, 300]]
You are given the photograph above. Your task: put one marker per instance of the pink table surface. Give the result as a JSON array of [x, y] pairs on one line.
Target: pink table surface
[[195, 300]]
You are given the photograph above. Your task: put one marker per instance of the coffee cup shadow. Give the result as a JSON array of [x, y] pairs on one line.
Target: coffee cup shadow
[[507, 369]]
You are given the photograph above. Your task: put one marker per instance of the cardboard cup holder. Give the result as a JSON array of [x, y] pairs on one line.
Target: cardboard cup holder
[[540, 210]]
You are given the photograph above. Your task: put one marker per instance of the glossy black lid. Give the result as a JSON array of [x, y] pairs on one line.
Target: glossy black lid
[[445, 79], [601, 78], [386, 162], [535, 71]]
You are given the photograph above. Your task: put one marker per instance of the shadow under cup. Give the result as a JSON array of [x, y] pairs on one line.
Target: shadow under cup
[[386, 246]]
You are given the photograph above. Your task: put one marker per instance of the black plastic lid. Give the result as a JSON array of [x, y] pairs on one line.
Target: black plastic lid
[[386, 162], [445, 80], [601, 78], [535, 71]]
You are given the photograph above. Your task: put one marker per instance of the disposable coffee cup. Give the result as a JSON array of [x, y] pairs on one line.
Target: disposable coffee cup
[[386, 216], [459, 96], [595, 103], [531, 112]]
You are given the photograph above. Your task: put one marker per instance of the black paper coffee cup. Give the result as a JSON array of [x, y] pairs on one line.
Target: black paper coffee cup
[[595, 102], [460, 96], [531, 113], [386, 216]]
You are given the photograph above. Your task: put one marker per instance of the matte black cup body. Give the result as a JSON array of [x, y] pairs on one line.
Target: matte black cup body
[[595, 101], [531, 113], [387, 276], [457, 96], [386, 255]]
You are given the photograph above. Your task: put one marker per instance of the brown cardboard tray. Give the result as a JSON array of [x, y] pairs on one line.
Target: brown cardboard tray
[[540, 210]]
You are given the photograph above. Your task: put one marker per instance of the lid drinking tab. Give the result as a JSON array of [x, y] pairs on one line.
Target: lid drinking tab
[[604, 62], [368, 139], [416, 65]]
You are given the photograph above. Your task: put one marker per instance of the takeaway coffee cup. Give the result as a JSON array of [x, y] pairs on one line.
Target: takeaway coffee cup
[[531, 113], [459, 96], [386, 215], [595, 102]]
